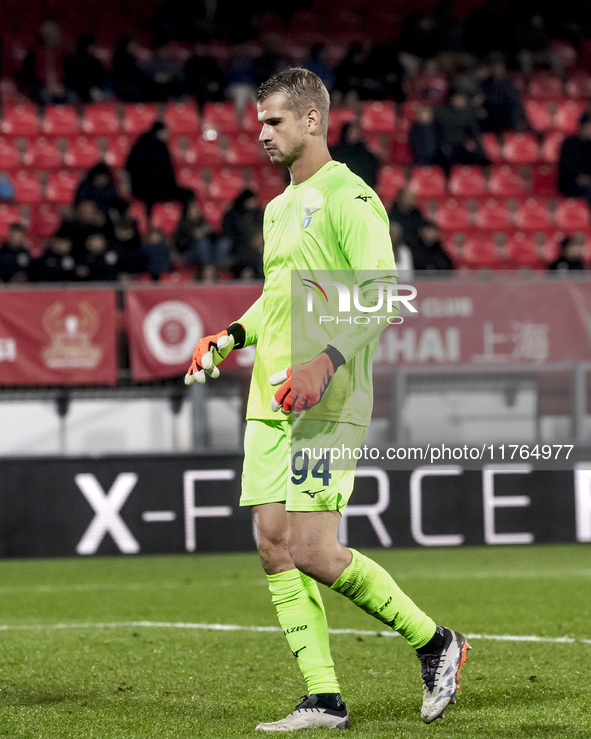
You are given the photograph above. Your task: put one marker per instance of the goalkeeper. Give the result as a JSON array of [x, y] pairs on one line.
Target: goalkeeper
[[326, 219]]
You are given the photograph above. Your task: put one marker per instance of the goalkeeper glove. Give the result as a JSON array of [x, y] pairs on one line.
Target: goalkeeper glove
[[211, 351], [304, 385]]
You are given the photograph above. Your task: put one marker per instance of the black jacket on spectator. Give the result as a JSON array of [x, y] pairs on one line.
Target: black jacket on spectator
[[151, 170], [99, 186], [15, 263], [574, 160], [352, 151]]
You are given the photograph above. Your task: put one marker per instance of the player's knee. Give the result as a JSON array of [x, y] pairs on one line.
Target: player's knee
[[273, 554]]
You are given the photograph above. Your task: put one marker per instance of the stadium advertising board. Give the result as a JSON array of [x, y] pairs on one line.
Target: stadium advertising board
[[58, 337], [455, 321], [132, 505], [164, 324]]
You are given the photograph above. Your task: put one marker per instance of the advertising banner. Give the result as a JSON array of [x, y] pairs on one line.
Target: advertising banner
[[58, 337]]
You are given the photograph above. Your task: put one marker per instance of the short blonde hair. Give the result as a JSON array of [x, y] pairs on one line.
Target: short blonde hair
[[303, 90]]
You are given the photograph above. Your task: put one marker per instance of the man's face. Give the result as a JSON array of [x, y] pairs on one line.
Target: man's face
[[283, 135], [16, 238]]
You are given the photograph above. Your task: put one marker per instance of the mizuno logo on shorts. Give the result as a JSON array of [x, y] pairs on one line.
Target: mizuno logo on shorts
[[312, 494]]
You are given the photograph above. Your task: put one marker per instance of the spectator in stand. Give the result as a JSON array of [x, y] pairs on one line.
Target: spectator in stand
[[242, 225], [404, 211], [15, 258], [196, 243], [458, 133], [318, 62], [41, 76], [204, 78], [240, 86], [570, 256], [422, 137], [429, 254], [151, 171], [130, 83], [273, 59], [85, 75], [354, 75], [57, 263], [157, 253], [503, 110], [353, 151], [80, 222], [99, 186], [99, 262], [385, 68], [127, 241], [402, 254], [574, 162], [164, 75]]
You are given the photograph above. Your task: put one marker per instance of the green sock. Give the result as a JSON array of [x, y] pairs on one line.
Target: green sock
[[371, 588], [301, 615]]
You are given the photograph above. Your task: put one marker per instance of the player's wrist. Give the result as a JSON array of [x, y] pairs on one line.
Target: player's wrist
[[335, 357], [238, 333]]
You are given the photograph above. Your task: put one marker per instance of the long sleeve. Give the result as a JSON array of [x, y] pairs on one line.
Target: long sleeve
[[251, 320]]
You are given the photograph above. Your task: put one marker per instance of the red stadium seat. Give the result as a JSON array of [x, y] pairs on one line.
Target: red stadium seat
[[27, 187], [578, 85], [9, 213], [220, 116], [492, 147], [545, 86], [572, 214], [269, 182], [225, 184], [60, 120], [61, 186], [525, 249], [427, 181], [520, 148], [452, 215], [244, 150], [21, 119], [550, 148], [45, 219], [138, 117], [336, 119], [9, 156], [214, 211], [101, 119], [538, 114], [544, 180], [166, 216], [117, 150], [193, 179], [182, 118], [567, 115], [480, 250], [203, 153], [250, 121], [533, 213], [390, 179], [493, 215], [467, 181], [378, 116], [43, 153], [400, 151], [83, 153], [505, 181]]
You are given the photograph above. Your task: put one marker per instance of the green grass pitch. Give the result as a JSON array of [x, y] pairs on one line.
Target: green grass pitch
[[131, 647]]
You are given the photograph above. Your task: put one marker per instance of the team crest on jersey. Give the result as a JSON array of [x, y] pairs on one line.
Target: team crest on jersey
[[308, 213]]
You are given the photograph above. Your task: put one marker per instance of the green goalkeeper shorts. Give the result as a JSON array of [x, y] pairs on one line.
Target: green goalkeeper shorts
[[309, 466]]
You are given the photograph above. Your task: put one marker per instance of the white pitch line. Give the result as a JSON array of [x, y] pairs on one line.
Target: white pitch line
[[273, 629]]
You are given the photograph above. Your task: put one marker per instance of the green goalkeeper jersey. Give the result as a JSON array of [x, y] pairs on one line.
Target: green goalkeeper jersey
[[332, 224]]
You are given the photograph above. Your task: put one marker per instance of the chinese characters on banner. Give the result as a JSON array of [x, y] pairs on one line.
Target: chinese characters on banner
[[58, 337]]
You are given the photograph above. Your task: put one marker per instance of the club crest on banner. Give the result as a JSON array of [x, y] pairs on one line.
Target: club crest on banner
[[171, 330], [71, 334]]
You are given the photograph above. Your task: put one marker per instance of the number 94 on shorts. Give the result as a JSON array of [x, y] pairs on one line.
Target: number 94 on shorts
[[290, 462]]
